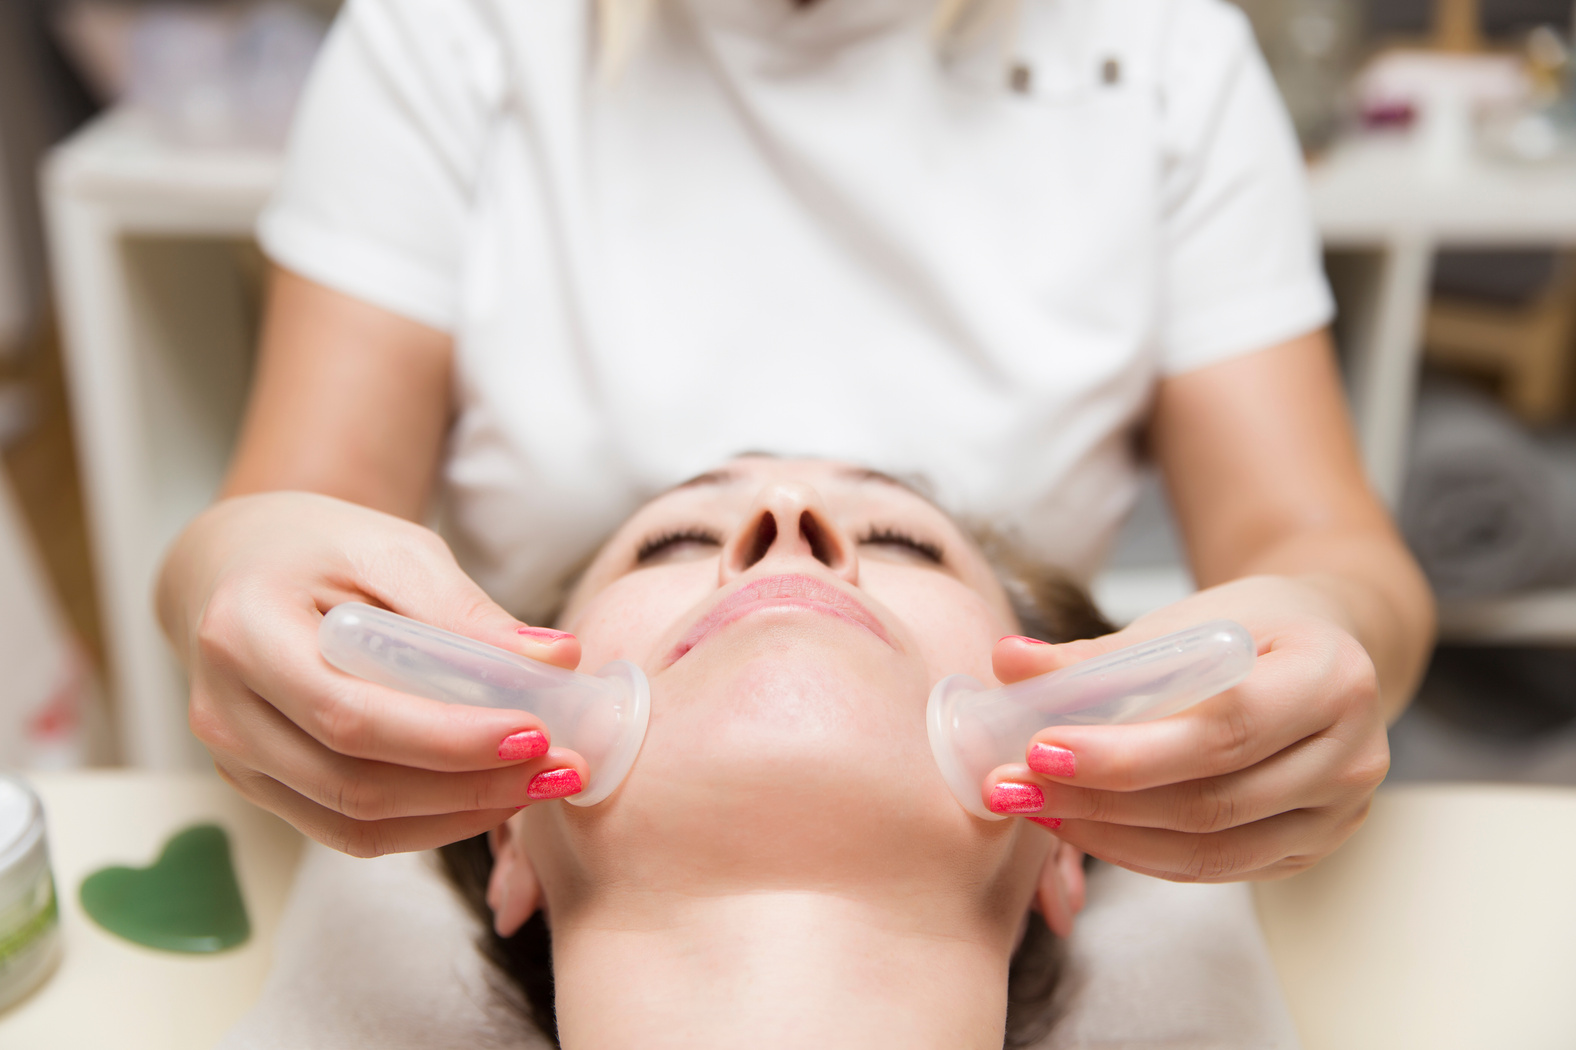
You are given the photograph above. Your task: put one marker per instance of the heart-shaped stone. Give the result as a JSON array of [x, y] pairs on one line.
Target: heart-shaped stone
[[186, 901]]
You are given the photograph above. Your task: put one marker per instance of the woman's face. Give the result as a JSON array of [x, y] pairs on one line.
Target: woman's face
[[792, 617]]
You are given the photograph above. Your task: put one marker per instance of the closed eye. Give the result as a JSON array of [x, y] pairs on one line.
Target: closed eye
[[677, 545], [907, 545]]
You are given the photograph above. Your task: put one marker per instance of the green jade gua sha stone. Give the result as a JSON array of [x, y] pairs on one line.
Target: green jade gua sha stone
[[186, 901]]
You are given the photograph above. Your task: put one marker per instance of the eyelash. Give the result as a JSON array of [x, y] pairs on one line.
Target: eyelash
[[654, 545], [885, 534]]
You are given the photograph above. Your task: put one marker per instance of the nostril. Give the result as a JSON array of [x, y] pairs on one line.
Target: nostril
[[765, 536], [820, 543]]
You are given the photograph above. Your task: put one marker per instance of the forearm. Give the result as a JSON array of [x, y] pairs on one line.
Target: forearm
[[1264, 474], [349, 401]]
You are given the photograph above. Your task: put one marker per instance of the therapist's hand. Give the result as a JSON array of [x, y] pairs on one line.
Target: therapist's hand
[[357, 766], [1256, 783]]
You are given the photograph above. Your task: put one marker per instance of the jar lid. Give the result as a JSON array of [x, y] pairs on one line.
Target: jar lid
[[21, 821]]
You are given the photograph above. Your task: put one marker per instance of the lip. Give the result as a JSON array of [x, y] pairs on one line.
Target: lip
[[789, 591]]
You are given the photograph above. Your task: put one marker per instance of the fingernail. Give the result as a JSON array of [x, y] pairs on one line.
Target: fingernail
[[1009, 797], [555, 783], [1047, 822], [542, 634], [1052, 761], [1025, 638], [530, 744]]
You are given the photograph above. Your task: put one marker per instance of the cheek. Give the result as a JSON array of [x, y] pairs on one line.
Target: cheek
[[950, 626], [635, 616]]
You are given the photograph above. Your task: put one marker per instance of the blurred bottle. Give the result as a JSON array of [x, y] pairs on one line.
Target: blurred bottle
[[1541, 126], [221, 74], [1312, 47], [1548, 65], [271, 55], [175, 72]]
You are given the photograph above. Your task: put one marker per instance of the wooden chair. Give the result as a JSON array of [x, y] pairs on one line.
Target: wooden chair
[[1526, 346]]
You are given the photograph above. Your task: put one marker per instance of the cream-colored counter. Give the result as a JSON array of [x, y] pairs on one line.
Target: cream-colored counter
[[112, 993], [1448, 922]]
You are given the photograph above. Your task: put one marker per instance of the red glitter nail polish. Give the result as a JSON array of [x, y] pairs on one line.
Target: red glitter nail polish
[[555, 783], [542, 634], [1011, 797], [532, 743], [1047, 822], [1052, 761], [1024, 638]]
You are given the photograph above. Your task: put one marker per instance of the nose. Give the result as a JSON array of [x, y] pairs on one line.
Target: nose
[[789, 521]]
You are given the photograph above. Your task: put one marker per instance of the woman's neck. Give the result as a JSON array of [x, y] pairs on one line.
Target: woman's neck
[[779, 969]]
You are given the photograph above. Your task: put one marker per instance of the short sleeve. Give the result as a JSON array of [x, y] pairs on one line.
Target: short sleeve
[[382, 157], [1241, 267]]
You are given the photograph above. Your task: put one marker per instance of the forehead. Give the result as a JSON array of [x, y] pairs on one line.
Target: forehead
[[748, 472]]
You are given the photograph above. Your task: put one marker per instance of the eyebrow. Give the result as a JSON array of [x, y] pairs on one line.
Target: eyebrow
[[711, 477], [882, 477]]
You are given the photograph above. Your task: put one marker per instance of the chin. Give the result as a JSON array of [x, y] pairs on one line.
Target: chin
[[782, 758], [794, 705]]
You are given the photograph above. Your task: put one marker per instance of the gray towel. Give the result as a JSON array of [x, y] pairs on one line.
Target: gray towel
[[1487, 509], [380, 953]]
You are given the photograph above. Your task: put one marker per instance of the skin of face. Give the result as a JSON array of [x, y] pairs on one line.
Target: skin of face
[[792, 617]]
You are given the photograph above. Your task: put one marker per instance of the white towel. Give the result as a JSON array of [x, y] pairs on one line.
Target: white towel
[[1158, 965], [382, 953], [1487, 508], [376, 953]]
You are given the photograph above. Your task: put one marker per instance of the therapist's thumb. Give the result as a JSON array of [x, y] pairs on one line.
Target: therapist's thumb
[[431, 587], [1015, 657]]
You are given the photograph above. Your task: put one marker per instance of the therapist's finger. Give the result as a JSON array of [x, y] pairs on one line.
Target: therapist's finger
[[278, 660], [359, 838], [367, 790], [1017, 657], [1269, 848], [414, 574], [1293, 693], [1316, 771]]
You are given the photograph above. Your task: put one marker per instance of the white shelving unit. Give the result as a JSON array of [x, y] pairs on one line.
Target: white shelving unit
[[158, 334], [1392, 197], [1390, 204]]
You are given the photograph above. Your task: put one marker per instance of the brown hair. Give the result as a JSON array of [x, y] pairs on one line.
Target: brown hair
[[1049, 607]]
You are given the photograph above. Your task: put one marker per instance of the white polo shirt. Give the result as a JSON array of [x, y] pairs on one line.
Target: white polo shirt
[[801, 231]]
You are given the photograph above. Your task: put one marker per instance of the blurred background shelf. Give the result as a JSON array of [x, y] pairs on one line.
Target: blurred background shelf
[[1535, 618], [157, 186], [1539, 617], [1388, 204], [1385, 187], [155, 284]]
